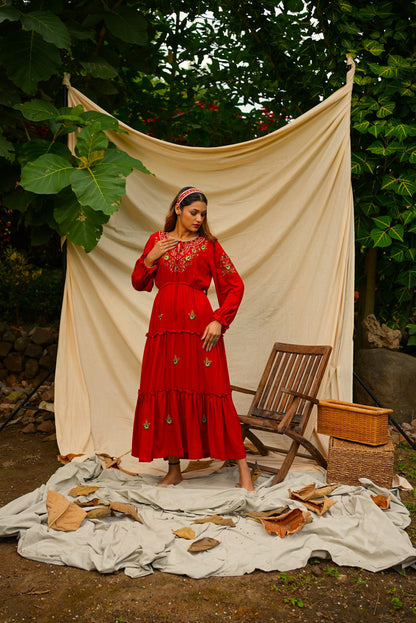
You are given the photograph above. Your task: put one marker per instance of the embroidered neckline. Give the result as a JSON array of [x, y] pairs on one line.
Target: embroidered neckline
[[165, 234]]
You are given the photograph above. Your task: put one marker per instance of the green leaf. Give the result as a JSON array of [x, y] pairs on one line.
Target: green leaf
[[361, 126], [411, 253], [80, 224], [123, 162], [382, 221], [405, 186], [359, 164], [99, 68], [37, 110], [395, 60], [397, 253], [407, 88], [38, 147], [374, 47], [380, 238], [380, 149], [398, 130], [397, 232], [107, 122], [377, 128], [9, 13], [28, 59], [6, 148], [408, 216], [386, 107], [127, 24], [408, 278], [18, 200], [385, 71], [47, 175], [389, 183], [91, 139], [49, 26], [98, 187]]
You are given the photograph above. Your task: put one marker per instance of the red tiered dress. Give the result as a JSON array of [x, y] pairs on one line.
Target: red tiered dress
[[184, 406]]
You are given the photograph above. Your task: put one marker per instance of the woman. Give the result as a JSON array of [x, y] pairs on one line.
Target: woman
[[184, 408]]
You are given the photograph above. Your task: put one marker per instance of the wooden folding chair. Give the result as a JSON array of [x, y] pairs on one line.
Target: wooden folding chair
[[284, 400]]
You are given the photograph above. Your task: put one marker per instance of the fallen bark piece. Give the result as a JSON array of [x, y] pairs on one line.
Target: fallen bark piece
[[185, 533], [381, 501], [288, 523], [82, 490], [203, 544], [67, 458], [114, 462], [63, 514], [258, 515], [195, 466], [216, 519], [99, 513], [311, 496], [93, 502], [127, 509]]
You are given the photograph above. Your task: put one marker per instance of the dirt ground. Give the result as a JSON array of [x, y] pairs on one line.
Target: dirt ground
[[322, 591]]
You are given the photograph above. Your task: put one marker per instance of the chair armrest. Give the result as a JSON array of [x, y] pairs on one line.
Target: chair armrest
[[299, 395], [243, 390]]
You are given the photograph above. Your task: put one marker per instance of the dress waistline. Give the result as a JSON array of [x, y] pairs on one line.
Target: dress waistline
[[181, 283]]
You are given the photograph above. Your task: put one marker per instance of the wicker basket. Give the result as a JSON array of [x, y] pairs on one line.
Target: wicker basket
[[353, 422], [348, 461]]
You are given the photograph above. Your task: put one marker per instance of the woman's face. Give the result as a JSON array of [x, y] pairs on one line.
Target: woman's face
[[192, 216]]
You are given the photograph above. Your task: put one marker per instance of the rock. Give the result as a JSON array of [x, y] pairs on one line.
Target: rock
[[46, 362], [381, 336], [21, 344], [3, 327], [31, 368], [14, 362], [9, 336], [391, 377], [48, 426], [48, 395], [42, 335], [34, 351], [3, 374], [11, 380], [29, 428], [52, 351], [5, 348]]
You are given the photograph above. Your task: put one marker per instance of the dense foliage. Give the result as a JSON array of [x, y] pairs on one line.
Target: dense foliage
[[211, 73]]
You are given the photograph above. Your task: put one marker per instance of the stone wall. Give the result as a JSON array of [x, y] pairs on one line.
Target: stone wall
[[26, 355]]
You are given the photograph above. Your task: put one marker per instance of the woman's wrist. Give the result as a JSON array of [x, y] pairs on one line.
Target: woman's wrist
[[147, 262]]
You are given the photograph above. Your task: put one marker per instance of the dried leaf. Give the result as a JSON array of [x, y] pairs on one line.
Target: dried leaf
[[99, 512], [381, 501], [288, 523], [114, 462], [194, 466], [93, 502], [277, 512], [82, 490], [185, 533], [63, 514], [203, 544], [127, 509], [219, 521], [67, 458]]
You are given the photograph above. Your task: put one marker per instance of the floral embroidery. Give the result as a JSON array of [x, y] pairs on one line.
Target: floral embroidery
[[204, 419], [160, 316], [226, 264], [192, 315], [179, 258], [146, 425], [175, 360], [168, 420], [207, 362]]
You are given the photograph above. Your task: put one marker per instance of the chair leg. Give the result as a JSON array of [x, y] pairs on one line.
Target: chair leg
[[254, 440], [282, 473]]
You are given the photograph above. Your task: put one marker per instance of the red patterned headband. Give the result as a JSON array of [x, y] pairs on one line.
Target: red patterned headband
[[185, 193]]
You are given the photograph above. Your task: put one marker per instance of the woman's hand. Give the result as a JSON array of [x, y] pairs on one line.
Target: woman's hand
[[211, 335], [161, 247]]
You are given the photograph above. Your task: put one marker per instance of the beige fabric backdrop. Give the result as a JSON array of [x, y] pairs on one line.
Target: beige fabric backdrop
[[281, 205]]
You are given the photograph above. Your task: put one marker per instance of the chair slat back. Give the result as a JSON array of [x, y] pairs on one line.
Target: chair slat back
[[290, 366]]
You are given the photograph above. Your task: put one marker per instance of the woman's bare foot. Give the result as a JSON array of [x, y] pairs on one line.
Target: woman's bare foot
[[174, 475], [245, 475]]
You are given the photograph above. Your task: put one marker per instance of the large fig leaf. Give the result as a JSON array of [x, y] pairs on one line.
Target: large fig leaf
[[80, 224], [28, 59], [98, 187], [106, 121], [9, 13], [127, 24], [46, 175], [123, 163], [38, 147], [90, 140], [99, 68], [49, 26]]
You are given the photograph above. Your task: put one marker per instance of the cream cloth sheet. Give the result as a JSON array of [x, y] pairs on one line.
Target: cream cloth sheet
[[282, 207]]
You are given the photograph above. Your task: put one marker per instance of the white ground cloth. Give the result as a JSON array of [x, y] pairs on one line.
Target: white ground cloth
[[281, 205], [354, 532]]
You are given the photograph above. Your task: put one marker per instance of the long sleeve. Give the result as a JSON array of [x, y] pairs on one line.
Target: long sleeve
[[229, 287], [143, 277]]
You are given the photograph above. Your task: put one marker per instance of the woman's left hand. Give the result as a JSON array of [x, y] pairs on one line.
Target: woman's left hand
[[211, 335]]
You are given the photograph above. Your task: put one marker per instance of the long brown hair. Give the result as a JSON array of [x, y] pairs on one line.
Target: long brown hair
[[171, 217]]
